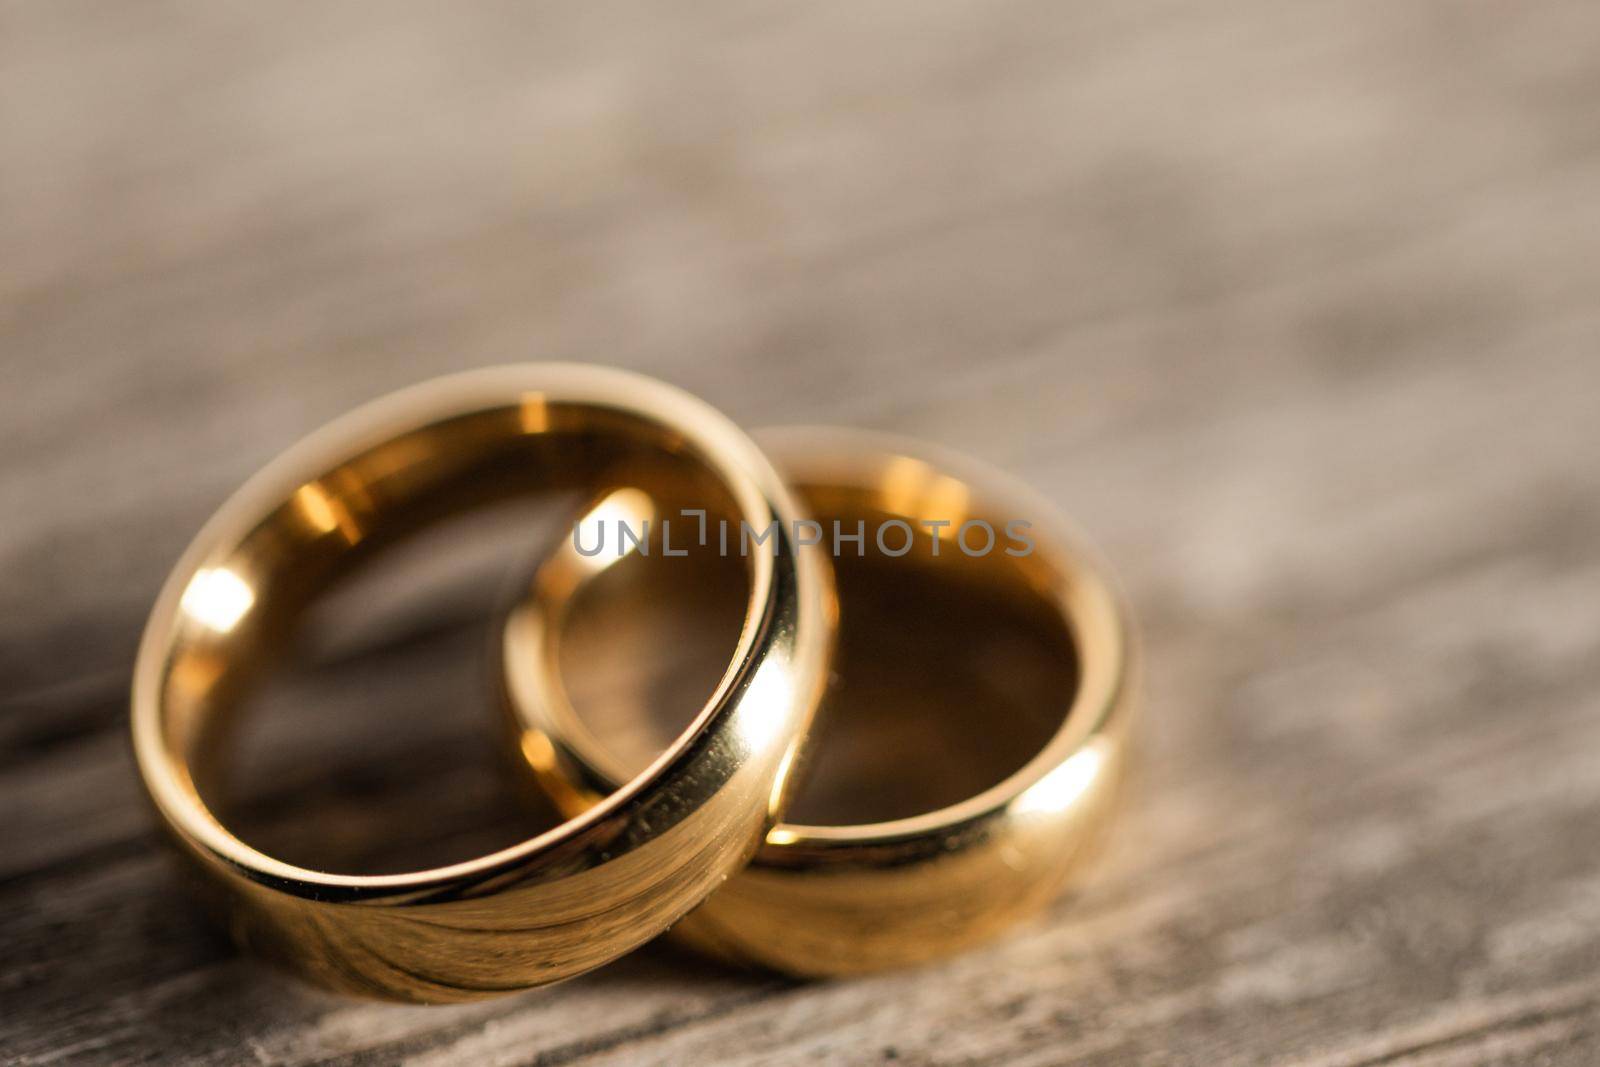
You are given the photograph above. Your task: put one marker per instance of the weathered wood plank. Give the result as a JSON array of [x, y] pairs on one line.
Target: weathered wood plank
[[1294, 306]]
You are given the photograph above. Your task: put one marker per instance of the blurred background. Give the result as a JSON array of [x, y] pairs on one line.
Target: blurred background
[[1294, 307]]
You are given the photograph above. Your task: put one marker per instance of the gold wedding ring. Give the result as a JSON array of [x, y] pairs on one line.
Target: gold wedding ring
[[588, 890], [1024, 647]]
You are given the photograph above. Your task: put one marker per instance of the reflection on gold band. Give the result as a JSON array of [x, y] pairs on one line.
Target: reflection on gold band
[[326, 513], [217, 599]]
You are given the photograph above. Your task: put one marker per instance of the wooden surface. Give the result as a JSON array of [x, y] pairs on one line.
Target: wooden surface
[[1293, 305]]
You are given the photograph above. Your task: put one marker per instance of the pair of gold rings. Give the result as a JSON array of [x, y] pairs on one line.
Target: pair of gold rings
[[847, 571]]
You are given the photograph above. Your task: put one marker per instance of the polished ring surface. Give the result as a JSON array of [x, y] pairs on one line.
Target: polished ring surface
[[852, 896], [584, 892]]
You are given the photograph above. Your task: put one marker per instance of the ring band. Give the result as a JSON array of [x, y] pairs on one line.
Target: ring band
[[575, 896], [849, 898]]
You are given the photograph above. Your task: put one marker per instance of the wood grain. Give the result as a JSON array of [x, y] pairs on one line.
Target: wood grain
[[1294, 306]]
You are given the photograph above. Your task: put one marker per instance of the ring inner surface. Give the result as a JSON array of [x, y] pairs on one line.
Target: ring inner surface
[[299, 583], [951, 672]]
